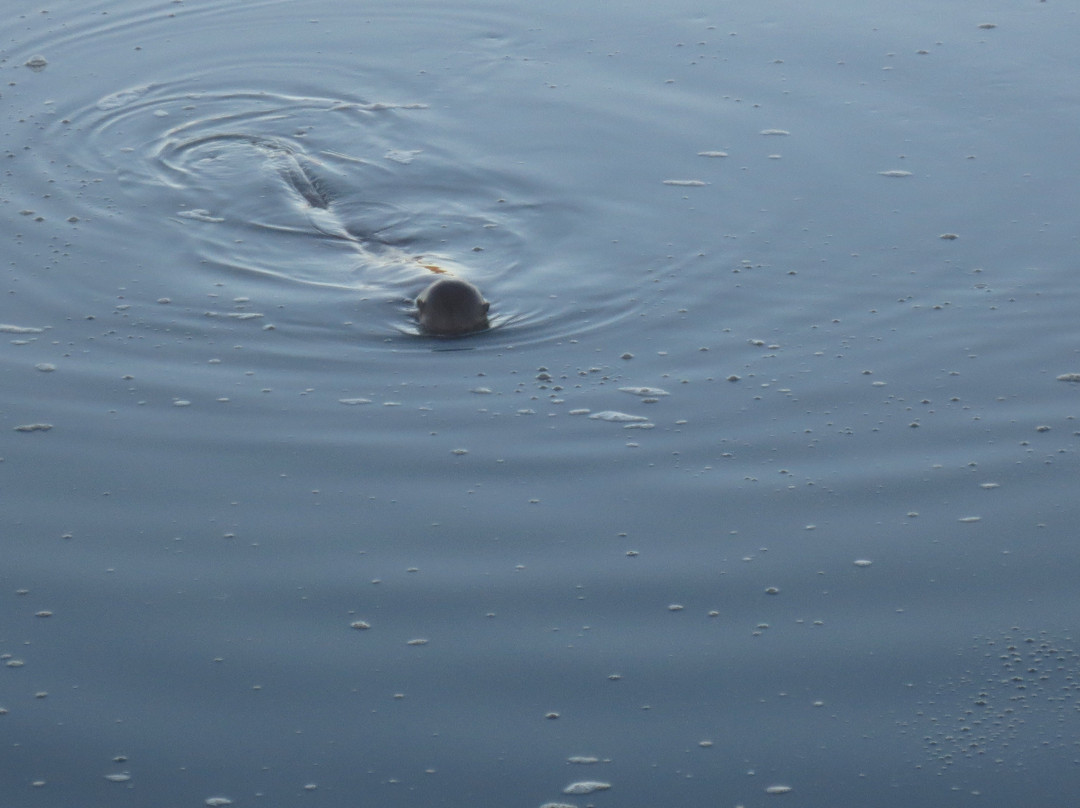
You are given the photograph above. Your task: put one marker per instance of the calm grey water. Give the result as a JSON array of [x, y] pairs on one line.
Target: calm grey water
[[812, 265]]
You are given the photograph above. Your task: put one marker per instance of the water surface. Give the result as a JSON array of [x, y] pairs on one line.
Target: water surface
[[764, 476]]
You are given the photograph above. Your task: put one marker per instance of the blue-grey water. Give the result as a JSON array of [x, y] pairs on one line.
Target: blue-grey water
[[762, 488]]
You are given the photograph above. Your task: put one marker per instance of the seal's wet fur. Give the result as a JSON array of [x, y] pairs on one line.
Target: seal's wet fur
[[451, 307]]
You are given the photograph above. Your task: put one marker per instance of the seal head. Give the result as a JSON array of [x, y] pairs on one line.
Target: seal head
[[451, 307]]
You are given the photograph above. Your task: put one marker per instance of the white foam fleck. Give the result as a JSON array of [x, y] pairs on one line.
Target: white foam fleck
[[122, 98], [19, 329], [614, 415], [644, 391], [686, 183], [403, 156], [586, 787], [895, 173]]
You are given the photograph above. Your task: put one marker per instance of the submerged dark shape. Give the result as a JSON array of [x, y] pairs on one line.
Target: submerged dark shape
[[451, 307]]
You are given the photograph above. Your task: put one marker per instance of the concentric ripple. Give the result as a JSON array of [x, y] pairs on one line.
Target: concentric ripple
[[357, 199]]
